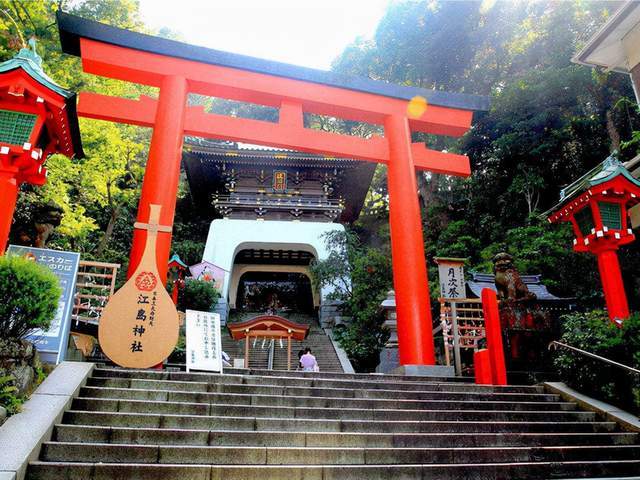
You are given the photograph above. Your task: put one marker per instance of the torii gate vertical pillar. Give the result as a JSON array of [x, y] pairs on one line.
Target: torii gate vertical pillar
[[415, 338], [160, 185]]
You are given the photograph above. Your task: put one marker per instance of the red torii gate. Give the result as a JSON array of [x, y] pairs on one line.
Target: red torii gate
[[179, 69]]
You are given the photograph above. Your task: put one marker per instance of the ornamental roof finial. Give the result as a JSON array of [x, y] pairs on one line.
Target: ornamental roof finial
[[29, 53]]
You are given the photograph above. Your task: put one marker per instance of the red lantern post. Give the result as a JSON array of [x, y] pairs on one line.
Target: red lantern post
[[597, 206], [37, 118], [176, 269]]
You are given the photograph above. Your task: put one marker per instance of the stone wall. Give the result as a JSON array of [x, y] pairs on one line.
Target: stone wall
[[20, 359]]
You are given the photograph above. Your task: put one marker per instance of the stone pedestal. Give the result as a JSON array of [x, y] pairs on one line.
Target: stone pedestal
[[390, 356], [222, 307], [425, 371], [329, 314]]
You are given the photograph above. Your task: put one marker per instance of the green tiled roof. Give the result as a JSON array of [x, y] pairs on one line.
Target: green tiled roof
[[176, 258], [30, 62], [610, 168]]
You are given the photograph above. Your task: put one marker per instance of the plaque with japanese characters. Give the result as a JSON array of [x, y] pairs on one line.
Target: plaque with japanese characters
[[203, 341], [139, 325], [451, 276]]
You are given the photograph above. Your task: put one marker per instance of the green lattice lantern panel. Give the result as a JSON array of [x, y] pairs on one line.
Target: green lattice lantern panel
[[584, 219], [16, 127], [611, 215]]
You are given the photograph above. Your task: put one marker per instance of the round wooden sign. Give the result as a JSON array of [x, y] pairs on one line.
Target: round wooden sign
[[139, 325]]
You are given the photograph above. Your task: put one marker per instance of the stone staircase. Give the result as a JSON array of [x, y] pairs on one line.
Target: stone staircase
[[267, 425], [317, 340], [258, 356]]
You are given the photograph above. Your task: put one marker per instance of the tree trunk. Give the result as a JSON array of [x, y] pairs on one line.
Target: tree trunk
[[614, 135], [422, 189], [104, 241]]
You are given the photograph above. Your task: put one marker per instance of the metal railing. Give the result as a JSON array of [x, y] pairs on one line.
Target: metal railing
[[593, 355], [271, 354], [277, 202]]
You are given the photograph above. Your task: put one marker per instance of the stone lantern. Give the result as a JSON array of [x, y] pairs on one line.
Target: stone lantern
[[597, 206], [37, 118]]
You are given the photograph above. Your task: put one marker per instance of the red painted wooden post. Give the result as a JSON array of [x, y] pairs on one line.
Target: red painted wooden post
[[494, 336], [8, 198], [482, 367], [415, 339], [160, 185], [612, 284]]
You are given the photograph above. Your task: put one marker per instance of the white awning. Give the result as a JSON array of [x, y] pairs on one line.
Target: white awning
[[616, 46]]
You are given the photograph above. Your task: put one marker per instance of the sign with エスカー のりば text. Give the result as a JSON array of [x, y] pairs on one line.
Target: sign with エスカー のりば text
[[451, 277], [203, 341], [52, 343]]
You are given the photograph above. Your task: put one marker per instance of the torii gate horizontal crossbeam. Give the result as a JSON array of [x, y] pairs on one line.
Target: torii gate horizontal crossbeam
[[245, 86], [200, 124]]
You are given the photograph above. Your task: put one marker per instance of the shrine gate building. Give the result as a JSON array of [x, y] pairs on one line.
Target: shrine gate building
[[273, 209]]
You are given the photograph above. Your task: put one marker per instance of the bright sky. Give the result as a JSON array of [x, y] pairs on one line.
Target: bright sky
[[310, 33]]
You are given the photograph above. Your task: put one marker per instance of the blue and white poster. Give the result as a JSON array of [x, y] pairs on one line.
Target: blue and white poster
[[52, 343]]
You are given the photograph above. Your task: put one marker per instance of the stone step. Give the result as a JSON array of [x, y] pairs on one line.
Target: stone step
[[471, 471], [243, 455], [242, 382], [159, 436], [439, 400], [254, 423], [206, 409], [347, 376], [284, 390], [206, 422], [201, 383], [305, 376]]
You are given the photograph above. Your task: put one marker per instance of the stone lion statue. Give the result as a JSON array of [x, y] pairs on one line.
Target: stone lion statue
[[508, 282]]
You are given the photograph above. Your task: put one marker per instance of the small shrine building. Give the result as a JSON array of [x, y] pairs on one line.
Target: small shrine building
[[271, 211]]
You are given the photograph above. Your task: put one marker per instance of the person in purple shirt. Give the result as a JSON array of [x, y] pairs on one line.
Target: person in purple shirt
[[308, 361]]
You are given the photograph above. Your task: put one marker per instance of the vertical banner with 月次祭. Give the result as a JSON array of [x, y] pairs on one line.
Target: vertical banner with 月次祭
[[203, 341], [452, 288], [451, 277], [52, 343]]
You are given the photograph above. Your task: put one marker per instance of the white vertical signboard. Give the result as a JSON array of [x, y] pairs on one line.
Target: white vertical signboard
[[203, 341]]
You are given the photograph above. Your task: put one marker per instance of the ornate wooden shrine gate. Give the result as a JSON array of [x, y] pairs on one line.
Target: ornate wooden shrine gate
[[179, 69]]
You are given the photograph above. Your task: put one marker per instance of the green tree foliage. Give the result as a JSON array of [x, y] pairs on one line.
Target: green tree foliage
[[197, 295], [98, 194], [359, 277], [594, 333], [550, 121], [9, 398], [29, 294]]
